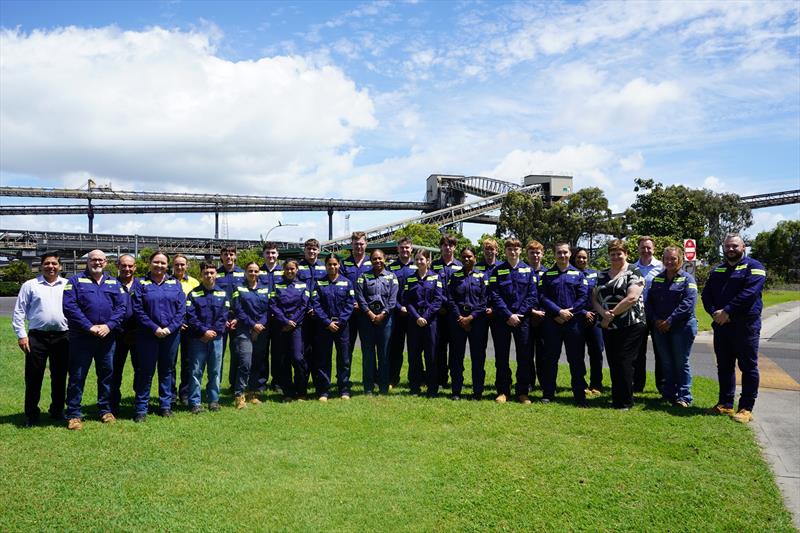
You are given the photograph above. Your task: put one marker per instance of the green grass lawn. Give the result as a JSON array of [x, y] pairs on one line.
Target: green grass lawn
[[770, 297], [386, 463]]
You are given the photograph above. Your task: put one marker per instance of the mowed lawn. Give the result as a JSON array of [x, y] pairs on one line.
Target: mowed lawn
[[769, 298], [395, 463]]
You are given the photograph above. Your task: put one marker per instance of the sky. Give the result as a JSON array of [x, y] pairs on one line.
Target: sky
[[364, 100]]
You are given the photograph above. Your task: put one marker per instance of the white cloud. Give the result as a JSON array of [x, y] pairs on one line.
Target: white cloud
[[160, 109], [632, 162], [715, 184], [587, 163]]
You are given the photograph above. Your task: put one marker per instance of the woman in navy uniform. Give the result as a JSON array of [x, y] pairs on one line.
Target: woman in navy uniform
[[670, 307], [376, 294], [159, 305], [422, 298], [250, 305], [333, 301], [592, 333], [466, 299], [288, 304]]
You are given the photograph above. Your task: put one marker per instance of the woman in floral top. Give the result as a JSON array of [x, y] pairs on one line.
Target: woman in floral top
[[618, 301]]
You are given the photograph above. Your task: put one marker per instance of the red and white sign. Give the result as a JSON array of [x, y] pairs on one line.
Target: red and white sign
[[689, 249]]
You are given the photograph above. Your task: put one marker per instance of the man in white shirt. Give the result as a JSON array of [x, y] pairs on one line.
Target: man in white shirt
[[40, 303], [649, 266]]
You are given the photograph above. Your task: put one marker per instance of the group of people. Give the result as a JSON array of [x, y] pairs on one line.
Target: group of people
[[282, 321]]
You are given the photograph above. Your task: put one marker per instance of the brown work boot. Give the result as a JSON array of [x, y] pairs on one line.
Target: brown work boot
[[108, 418], [501, 398], [523, 399], [743, 416], [720, 409], [75, 424], [238, 401], [252, 397]]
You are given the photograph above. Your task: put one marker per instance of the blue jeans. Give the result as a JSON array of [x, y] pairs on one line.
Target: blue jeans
[[674, 349], [375, 344], [202, 354], [251, 354], [152, 353], [82, 349]]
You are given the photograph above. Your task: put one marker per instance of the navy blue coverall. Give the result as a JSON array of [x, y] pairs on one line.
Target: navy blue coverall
[[397, 341], [271, 362], [88, 303], [593, 336], [563, 289], [206, 310], [310, 275], [736, 289], [333, 301], [125, 342], [250, 307], [422, 298], [466, 297], [443, 329], [512, 291], [228, 281], [289, 301]]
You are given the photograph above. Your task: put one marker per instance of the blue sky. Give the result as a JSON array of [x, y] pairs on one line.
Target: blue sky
[[366, 99]]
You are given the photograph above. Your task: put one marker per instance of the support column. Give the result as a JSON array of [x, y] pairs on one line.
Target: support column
[[90, 214], [330, 224], [216, 224]]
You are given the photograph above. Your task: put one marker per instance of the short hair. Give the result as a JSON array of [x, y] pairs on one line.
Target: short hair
[[535, 245], [357, 235], [333, 257], [291, 262], [119, 259], [205, 265], [404, 240], [645, 238], [447, 239], [157, 252], [576, 251], [424, 253], [375, 251], [617, 245], [559, 244], [469, 249], [513, 242], [176, 256], [226, 249], [269, 245], [311, 243], [50, 254], [491, 243], [678, 250], [730, 236]]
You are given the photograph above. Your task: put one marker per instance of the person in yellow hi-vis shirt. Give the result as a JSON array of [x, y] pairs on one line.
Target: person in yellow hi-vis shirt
[[179, 265]]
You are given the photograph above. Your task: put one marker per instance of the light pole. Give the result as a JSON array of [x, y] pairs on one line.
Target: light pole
[[280, 225]]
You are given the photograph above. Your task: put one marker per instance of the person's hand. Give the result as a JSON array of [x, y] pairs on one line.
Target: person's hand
[[184, 327], [100, 330], [403, 310], [513, 321], [560, 320], [24, 345], [379, 318], [489, 311], [662, 326], [565, 314], [605, 322], [721, 317], [233, 323], [333, 327], [162, 332], [208, 336], [590, 317], [421, 322]]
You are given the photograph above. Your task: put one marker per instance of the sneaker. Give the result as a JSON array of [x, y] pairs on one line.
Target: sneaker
[[197, 409], [252, 397], [501, 398], [165, 413], [720, 409], [213, 406], [141, 417], [323, 398], [345, 396], [681, 403], [524, 400], [239, 401], [593, 392], [75, 424], [108, 418], [743, 416]]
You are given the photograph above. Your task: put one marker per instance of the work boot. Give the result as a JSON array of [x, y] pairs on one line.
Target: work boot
[[523, 399], [108, 418], [75, 424], [239, 401], [720, 409], [501, 398], [743, 416], [252, 397]]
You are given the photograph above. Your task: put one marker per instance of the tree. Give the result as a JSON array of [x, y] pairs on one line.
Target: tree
[[680, 212], [522, 216], [17, 271], [591, 216], [428, 235], [779, 249]]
